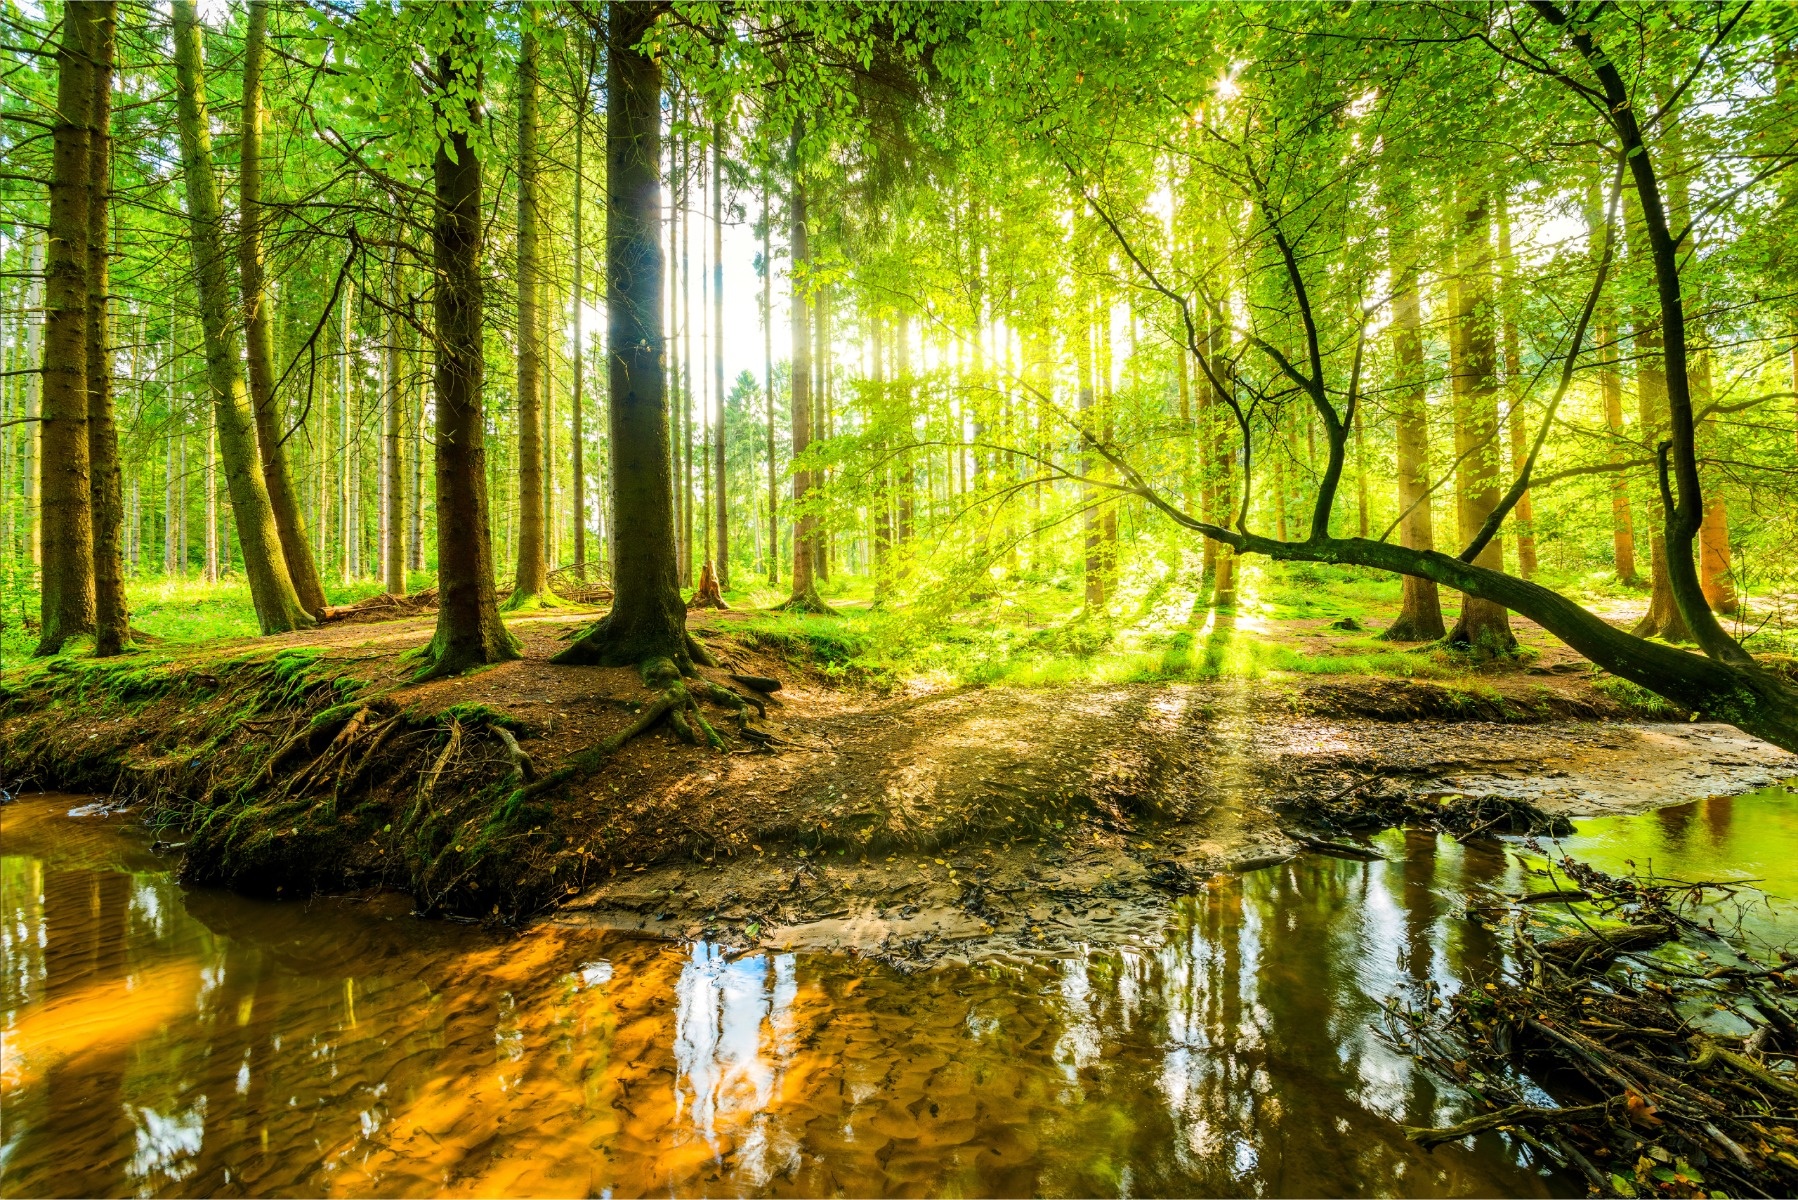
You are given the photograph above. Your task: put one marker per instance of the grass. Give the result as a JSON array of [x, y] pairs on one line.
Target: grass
[[1029, 631]]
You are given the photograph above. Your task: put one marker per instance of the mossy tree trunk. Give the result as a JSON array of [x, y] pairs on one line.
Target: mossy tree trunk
[[469, 630], [67, 606], [721, 508], [648, 620], [532, 567], [278, 606], [259, 328], [112, 616]]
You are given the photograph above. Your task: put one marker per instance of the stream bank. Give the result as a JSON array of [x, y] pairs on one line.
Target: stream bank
[[891, 822]]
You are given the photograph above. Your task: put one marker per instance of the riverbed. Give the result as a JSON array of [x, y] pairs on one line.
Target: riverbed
[[160, 1040]]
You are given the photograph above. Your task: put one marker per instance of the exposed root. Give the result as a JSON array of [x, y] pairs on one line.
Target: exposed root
[[522, 766]]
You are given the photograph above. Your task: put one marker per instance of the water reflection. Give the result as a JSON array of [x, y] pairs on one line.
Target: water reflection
[[162, 1042]]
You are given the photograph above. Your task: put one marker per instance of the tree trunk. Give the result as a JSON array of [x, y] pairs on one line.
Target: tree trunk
[[1223, 484], [804, 597], [278, 606], [67, 605], [1525, 512], [1091, 523], [259, 330], [469, 630], [34, 394], [577, 410], [721, 510], [1420, 609], [768, 391], [1474, 353], [393, 489], [648, 619], [532, 569], [112, 618]]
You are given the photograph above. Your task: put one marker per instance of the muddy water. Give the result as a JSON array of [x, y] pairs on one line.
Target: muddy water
[[159, 1041]]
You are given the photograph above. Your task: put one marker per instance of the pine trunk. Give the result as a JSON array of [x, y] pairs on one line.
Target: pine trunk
[[469, 630], [259, 329], [721, 508], [112, 617], [648, 619], [278, 606], [532, 565], [804, 597], [67, 606]]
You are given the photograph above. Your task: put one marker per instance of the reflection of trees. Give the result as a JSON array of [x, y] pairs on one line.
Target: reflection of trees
[[1719, 813], [84, 1130]]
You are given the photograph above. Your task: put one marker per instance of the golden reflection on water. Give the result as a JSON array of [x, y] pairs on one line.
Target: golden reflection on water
[[170, 1042]]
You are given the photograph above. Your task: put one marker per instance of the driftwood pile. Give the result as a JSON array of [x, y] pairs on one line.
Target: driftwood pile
[[1666, 1045]]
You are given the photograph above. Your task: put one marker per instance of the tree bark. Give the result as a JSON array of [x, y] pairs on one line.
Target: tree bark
[[393, 489], [1474, 353], [1420, 610], [577, 410], [259, 330], [469, 630], [112, 617], [1525, 512], [1223, 484], [768, 391], [278, 606], [721, 508], [67, 602], [648, 619], [804, 597], [532, 568]]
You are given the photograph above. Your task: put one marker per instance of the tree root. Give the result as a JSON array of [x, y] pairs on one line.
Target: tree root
[[678, 702]]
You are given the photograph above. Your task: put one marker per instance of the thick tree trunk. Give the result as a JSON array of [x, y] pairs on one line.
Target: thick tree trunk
[[112, 618], [1663, 618], [278, 606], [532, 568], [648, 619], [804, 597], [67, 606], [1474, 354], [1420, 610], [469, 631], [721, 507], [259, 330]]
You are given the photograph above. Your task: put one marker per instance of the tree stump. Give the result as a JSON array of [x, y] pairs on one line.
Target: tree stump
[[707, 595]]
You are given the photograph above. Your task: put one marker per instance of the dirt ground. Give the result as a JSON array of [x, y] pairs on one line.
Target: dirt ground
[[916, 825]]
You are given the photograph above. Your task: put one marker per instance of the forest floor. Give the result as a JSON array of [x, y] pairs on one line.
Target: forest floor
[[909, 819]]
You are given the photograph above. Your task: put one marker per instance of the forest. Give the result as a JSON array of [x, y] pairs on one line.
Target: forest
[[941, 486]]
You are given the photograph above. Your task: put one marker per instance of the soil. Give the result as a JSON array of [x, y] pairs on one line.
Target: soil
[[909, 824]]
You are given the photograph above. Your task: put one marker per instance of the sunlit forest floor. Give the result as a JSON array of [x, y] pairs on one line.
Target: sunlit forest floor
[[884, 800]]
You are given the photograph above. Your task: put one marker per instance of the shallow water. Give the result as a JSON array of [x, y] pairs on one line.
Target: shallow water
[[165, 1041]]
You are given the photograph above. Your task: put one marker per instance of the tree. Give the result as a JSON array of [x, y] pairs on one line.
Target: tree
[[259, 327], [469, 630], [532, 570], [278, 606], [112, 616], [804, 597], [68, 538], [648, 621]]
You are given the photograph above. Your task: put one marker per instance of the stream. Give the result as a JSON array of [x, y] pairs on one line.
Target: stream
[[160, 1040]]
